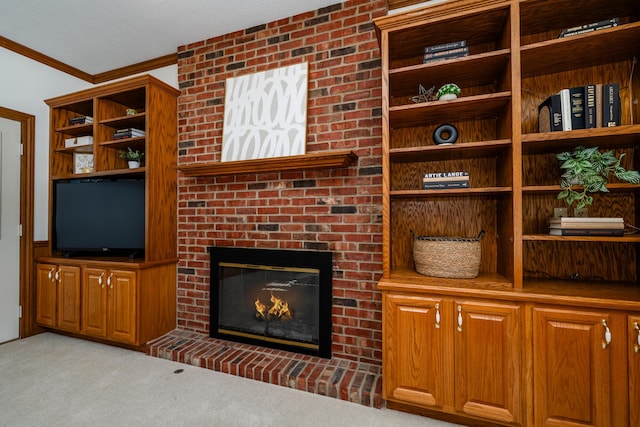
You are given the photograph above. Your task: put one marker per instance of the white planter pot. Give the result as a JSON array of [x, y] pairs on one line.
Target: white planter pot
[[448, 97], [133, 164]]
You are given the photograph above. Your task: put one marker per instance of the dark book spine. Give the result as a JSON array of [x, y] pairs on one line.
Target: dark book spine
[[587, 28], [589, 232], [446, 175], [445, 46], [440, 56], [576, 95], [443, 185], [589, 106], [611, 105], [556, 113]]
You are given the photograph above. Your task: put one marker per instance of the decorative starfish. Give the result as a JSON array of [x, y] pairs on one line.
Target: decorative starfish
[[424, 95]]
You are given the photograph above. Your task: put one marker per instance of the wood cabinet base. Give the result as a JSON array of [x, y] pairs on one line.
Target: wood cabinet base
[[123, 303]]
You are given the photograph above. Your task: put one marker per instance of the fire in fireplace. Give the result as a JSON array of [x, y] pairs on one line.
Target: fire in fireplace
[[275, 298]]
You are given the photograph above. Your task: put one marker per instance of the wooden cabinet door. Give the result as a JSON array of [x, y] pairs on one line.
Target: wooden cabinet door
[[94, 302], [634, 370], [488, 360], [46, 294], [122, 306], [68, 298], [416, 364], [577, 366]]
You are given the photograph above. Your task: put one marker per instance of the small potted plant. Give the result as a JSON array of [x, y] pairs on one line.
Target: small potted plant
[[448, 91], [134, 157], [590, 169]]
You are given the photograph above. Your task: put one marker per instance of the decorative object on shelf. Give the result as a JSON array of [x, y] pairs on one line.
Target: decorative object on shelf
[[449, 257], [265, 114], [134, 157], [424, 95], [445, 134], [131, 111], [83, 163], [448, 92], [590, 169], [78, 141]]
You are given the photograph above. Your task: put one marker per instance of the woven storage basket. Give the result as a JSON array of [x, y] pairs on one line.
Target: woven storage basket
[[450, 257]]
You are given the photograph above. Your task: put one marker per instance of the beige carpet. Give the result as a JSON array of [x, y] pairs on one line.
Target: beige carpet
[[53, 380]]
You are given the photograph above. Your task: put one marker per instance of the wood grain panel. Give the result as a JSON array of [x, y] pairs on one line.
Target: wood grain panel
[[443, 217], [417, 357], [68, 298], [572, 370], [488, 371], [634, 368], [586, 261], [157, 301]]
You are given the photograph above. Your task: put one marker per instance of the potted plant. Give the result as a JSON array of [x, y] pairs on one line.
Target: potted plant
[[590, 169], [134, 157], [448, 91]]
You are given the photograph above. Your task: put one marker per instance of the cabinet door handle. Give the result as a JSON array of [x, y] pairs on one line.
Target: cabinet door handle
[[437, 316], [607, 335], [636, 347], [100, 282], [459, 318], [109, 280], [57, 275], [50, 275]]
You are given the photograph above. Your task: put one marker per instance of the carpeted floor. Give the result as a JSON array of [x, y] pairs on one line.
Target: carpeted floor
[[53, 380]]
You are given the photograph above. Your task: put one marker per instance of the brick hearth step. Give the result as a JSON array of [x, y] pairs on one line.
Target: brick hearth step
[[340, 378]]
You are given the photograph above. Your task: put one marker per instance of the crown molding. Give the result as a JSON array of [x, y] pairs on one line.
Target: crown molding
[[117, 73]]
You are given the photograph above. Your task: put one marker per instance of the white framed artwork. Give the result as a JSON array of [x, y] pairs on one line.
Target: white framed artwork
[[265, 114]]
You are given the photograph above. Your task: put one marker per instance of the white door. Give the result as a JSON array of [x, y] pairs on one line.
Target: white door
[[9, 229]]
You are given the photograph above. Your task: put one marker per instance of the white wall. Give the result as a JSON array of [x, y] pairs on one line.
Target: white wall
[[24, 85]]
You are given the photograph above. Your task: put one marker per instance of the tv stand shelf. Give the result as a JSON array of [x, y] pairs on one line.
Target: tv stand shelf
[[108, 297]]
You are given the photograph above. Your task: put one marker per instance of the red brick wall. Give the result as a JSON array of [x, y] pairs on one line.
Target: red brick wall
[[338, 210]]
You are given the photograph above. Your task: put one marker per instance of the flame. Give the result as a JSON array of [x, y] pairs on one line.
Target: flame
[[260, 309], [279, 309]]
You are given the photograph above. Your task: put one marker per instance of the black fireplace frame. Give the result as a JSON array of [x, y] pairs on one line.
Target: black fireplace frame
[[320, 260]]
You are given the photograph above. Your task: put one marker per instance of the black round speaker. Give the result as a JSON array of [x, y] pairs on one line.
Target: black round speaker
[[445, 134]]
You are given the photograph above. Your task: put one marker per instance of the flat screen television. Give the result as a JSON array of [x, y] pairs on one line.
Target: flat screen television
[[99, 216]]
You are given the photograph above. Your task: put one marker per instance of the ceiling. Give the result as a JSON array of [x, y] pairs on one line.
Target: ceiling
[[96, 36]]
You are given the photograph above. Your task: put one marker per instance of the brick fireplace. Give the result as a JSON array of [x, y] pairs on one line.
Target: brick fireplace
[[336, 210]]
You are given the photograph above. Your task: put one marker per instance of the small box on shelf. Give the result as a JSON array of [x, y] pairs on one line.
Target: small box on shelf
[[78, 141]]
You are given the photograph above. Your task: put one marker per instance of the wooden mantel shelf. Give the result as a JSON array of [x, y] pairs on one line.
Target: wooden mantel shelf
[[322, 160]]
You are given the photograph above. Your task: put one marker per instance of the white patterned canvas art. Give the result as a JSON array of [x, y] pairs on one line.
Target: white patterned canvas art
[[265, 114]]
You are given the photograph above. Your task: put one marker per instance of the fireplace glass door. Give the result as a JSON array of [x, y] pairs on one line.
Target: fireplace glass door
[[278, 306]]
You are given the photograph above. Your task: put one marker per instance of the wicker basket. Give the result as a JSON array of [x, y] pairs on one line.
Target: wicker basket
[[450, 257]]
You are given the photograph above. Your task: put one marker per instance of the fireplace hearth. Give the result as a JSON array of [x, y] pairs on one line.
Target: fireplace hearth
[[274, 298]]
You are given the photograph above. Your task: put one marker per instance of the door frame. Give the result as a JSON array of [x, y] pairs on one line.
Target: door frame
[[27, 265]]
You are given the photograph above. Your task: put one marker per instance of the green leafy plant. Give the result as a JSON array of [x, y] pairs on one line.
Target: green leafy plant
[[132, 155], [590, 169]]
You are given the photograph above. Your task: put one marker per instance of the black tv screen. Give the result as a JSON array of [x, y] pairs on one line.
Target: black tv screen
[[99, 216]]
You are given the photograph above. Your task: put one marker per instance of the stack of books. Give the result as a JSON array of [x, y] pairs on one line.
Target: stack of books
[[582, 107], [82, 120], [445, 51], [127, 133], [587, 28], [586, 226], [445, 180]]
